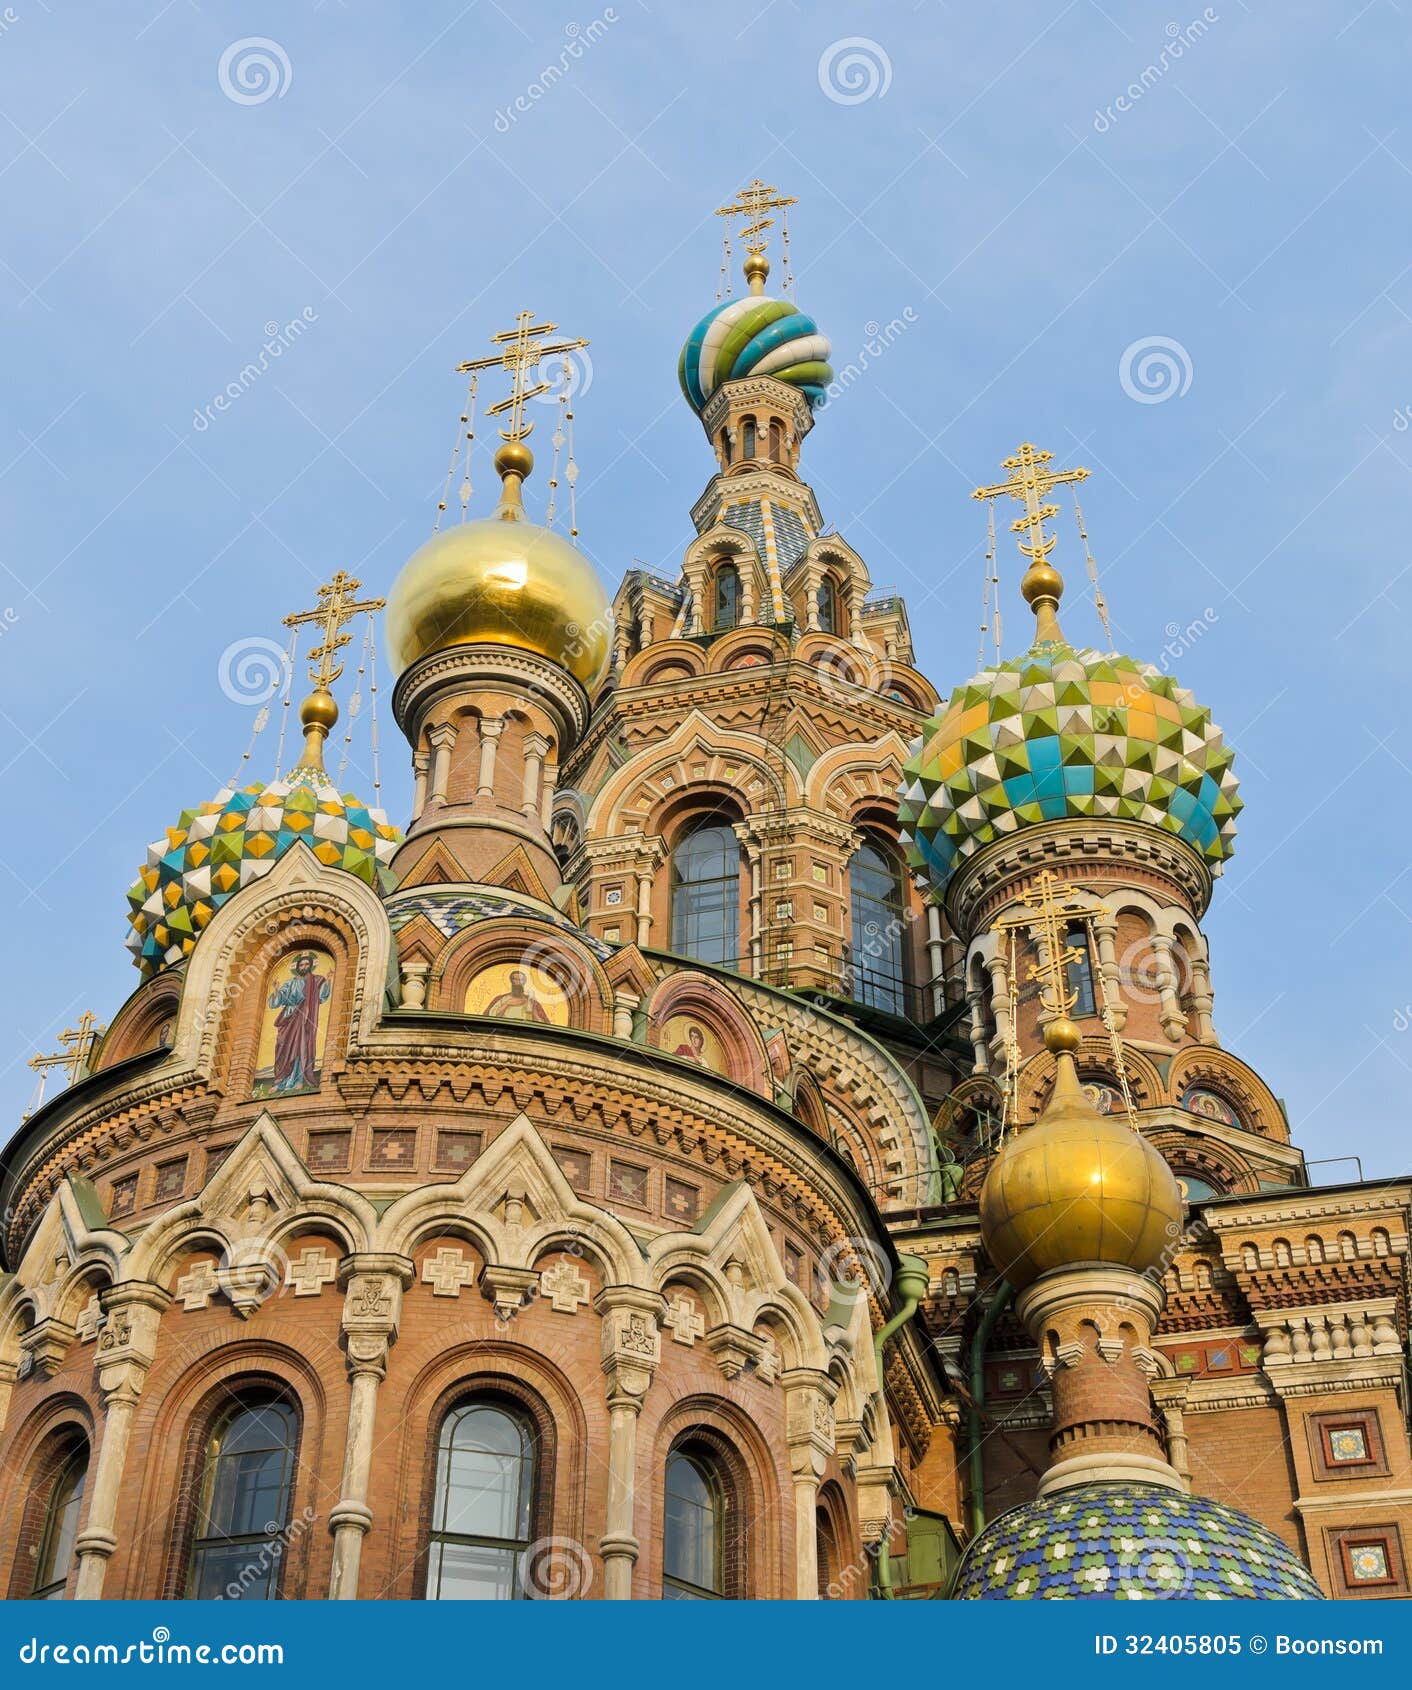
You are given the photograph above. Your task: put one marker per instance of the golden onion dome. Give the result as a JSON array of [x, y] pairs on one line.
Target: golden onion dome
[[1077, 1187], [502, 580]]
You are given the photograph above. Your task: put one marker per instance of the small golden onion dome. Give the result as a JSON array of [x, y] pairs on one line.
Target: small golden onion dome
[[502, 581], [1077, 1187]]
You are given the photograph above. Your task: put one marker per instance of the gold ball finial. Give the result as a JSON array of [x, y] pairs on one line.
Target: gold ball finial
[[1062, 1034], [514, 458], [319, 710], [1042, 581], [757, 268]]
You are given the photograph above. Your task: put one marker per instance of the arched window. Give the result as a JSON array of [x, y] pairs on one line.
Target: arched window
[[727, 608], [1080, 970], [480, 1526], [61, 1511], [878, 956], [243, 1513], [693, 1536], [747, 437], [827, 600], [776, 443], [706, 894]]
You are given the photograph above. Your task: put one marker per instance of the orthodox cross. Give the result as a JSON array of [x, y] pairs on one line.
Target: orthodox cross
[[521, 349], [1029, 482], [337, 604], [76, 1046], [1050, 909], [752, 203]]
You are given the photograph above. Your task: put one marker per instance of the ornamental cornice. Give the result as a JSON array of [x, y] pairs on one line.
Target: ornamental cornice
[[477, 663], [1083, 849], [1318, 1203]]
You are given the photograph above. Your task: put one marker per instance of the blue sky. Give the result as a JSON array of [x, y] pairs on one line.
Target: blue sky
[[968, 172]]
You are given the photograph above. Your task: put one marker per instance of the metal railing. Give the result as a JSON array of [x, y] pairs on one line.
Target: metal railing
[[814, 971]]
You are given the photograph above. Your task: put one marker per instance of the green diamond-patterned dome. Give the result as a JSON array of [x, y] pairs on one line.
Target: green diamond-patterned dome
[[240, 835], [1060, 733], [1130, 1542]]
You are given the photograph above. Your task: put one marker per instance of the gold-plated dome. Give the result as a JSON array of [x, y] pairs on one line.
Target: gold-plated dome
[[1077, 1187], [504, 581]]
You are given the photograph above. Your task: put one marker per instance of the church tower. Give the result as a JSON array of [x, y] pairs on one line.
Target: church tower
[[734, 802]]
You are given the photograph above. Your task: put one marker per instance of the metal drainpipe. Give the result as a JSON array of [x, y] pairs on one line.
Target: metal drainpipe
[[913, 1277], [975, 1440]]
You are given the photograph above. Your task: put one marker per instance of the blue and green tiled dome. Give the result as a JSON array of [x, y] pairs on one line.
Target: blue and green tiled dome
[[1130, 1542], [1060, 733], [239, 836], [754, 336]]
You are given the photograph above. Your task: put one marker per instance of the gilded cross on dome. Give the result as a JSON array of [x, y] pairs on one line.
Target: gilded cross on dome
[[76, 1046], [338, 604], [1030, 480], [752, 203], [1050, 908], [521, 350]]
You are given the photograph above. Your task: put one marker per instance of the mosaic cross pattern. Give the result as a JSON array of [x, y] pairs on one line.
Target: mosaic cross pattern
[[1060, 733]]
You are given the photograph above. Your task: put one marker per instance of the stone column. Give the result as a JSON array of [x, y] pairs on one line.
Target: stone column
[[1204, 1000], [414, 984], [441, 740], [549, 783], [535, 746], [421, 769], [372, 1305], [9, 1373], [1169, 1009], [1106, 931], [624, 1004], [936, 959], [644, 905], [491, 729], [809, 1430], [632, 1348], [1000, 1003], [980, 1043], [126, 1347], [812, 576], [1170, 1397], [755, 916]]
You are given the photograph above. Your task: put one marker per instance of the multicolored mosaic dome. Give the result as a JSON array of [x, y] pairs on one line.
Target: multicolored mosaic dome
[[754, 336], [1059, 733], [240, 835], [1130, 1542]]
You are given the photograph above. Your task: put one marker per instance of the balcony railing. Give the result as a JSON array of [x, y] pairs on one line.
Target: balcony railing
[[814, 971]]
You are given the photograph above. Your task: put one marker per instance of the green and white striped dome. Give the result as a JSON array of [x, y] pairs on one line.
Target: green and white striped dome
[[754, 336]]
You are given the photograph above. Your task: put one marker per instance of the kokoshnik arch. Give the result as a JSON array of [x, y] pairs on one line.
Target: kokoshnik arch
[[760, 1130]]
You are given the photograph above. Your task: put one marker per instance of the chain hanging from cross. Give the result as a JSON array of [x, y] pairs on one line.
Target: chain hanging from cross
[[750, 208], [75, 1047], [337, 605], [521, 350]]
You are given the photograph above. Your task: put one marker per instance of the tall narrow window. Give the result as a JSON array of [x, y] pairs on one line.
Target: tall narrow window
[[706, 895], [878, 970], [827, 600], [747, 437], [826, 1551], [1080, 970], [693, 1538], [776, 443], [484, 1502], [727, 611], [56, 1545], [244, 1508]]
